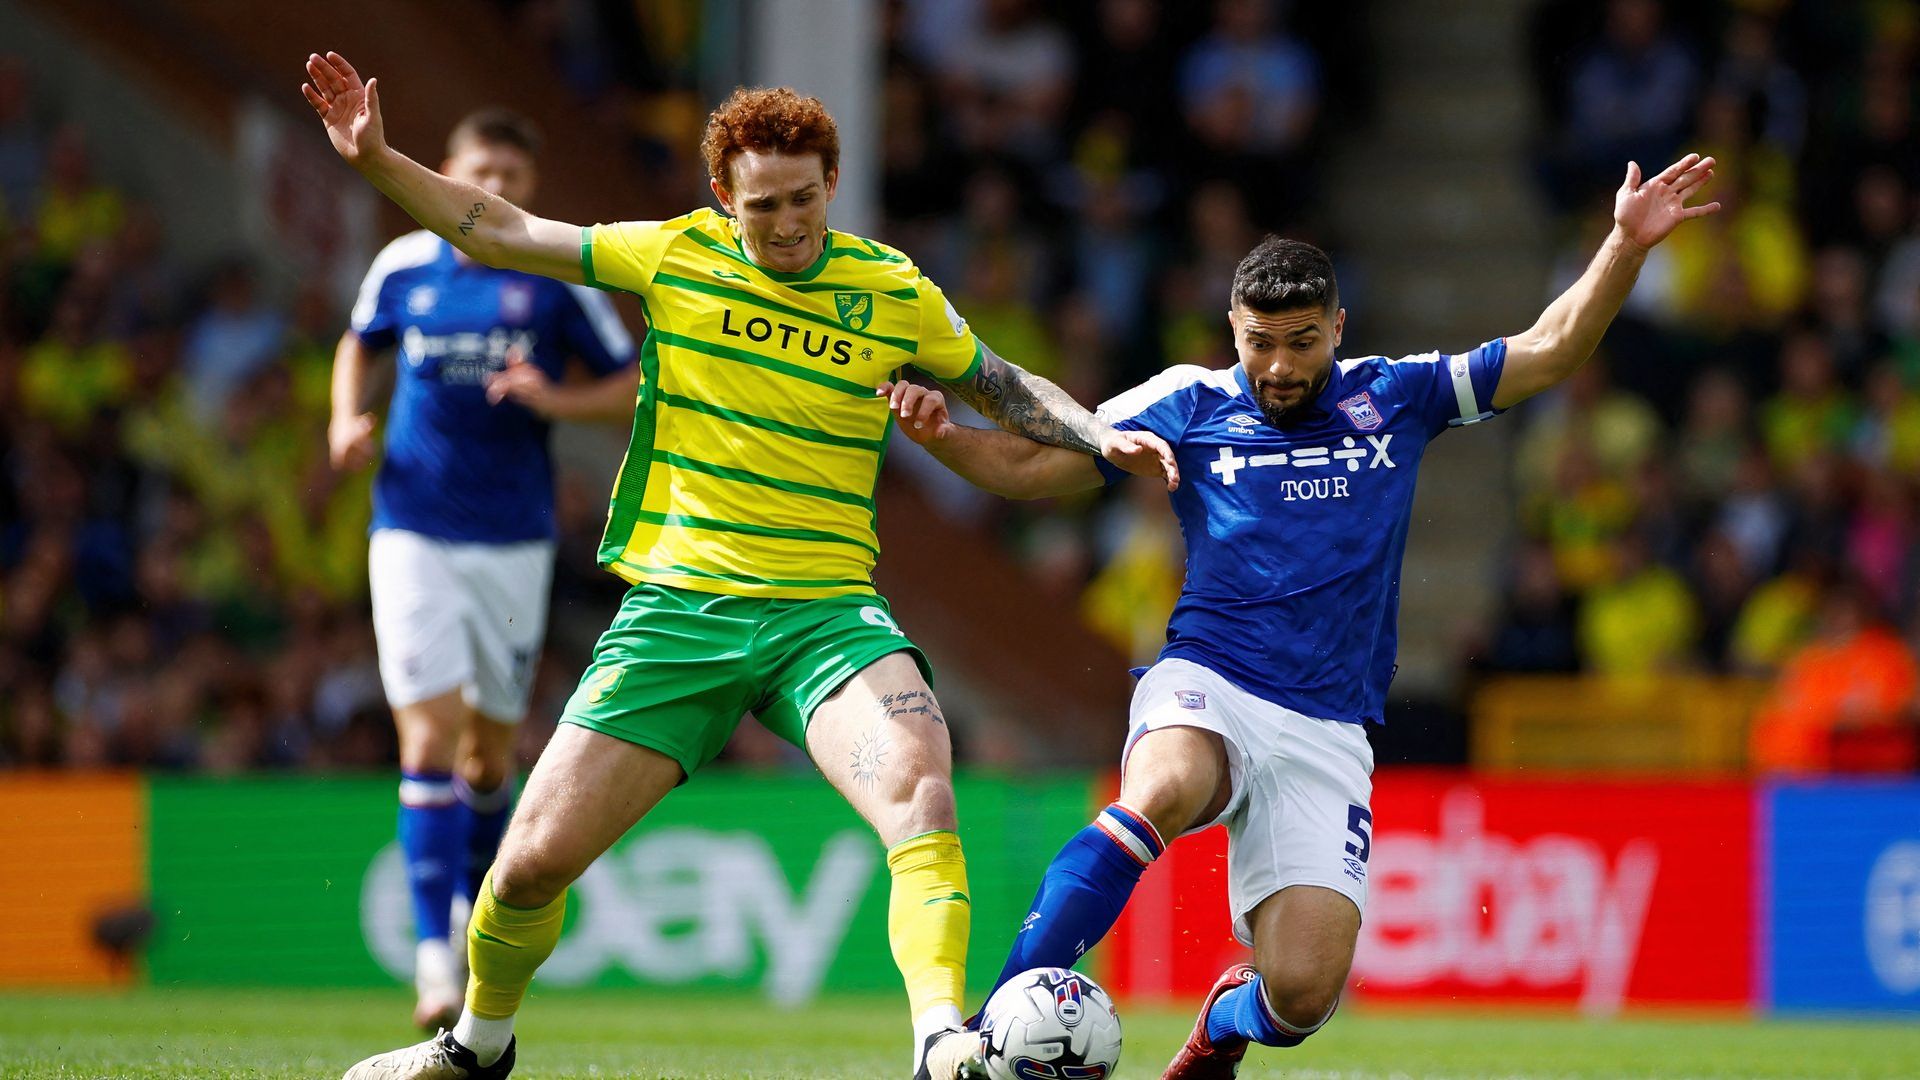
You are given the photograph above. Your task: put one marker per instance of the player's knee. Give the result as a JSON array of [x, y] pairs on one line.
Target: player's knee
[[1173, 802], [485, 769], [1302, 1000], [531, 869], [525, 878], [426, 749], [429, 741], [928, 804]]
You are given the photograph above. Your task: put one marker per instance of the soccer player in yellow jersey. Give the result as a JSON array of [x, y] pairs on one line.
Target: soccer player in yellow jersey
[[743, 516]]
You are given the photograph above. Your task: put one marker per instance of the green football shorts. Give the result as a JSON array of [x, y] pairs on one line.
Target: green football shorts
[[678, 668]]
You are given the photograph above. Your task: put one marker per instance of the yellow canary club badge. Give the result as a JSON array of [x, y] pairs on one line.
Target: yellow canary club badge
[[855, 309], [601, 684]]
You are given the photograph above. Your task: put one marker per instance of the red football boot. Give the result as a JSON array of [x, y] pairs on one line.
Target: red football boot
[[1200, 1059]]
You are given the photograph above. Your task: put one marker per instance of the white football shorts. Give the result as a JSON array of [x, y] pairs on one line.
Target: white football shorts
[[1299, 813], [453, 615]]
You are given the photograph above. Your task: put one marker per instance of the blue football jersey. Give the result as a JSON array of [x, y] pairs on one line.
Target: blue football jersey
[[1295, 536], [456, 467]]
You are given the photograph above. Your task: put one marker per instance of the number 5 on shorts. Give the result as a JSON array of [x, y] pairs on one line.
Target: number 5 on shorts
[[1360, 824]]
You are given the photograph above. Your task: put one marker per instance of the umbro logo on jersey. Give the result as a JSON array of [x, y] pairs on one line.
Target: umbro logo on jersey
[[421, 299], [730, 275], [1241, 424]]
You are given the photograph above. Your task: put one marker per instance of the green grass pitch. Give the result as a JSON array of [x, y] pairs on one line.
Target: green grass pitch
[[279, 1033]]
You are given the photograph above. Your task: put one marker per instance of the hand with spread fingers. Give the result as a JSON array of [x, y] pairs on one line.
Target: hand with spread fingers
[[349, 107], [1647, 212]]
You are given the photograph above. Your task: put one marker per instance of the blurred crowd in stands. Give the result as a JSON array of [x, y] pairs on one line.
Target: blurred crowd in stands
[[1083, 178], [1730, 487], [182, 576]]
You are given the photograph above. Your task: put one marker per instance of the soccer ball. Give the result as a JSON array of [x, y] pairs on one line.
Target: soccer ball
[[1050, 1024]]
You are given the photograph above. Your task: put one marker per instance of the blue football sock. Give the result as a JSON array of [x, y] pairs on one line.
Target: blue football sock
[[1243, 1014], [486, 822], [433, 836], [1083, 890]]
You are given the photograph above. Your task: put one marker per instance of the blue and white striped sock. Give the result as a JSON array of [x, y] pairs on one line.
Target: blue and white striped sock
[[1243, 1014], [433, 835], [1083, 891]]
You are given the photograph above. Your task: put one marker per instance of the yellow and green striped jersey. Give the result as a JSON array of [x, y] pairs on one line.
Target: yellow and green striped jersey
[[758, 437]]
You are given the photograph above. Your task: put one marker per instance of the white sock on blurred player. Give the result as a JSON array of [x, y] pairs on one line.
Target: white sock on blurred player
[[437, 981]]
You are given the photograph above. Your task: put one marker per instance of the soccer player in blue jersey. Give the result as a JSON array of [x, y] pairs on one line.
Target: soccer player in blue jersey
[[461, 555], [1300, 474]]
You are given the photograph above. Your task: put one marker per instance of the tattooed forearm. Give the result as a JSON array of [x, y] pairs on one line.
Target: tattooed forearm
[[472, 218], [869, 757], [912, 703], [1026, 404]]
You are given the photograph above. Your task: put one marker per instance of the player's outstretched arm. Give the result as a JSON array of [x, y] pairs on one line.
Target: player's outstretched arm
[[1571, 328], [481, 224], [989, 459], [1030, 406]]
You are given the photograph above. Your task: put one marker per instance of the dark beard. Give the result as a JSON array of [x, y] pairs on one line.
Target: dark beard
[[1285, 416]]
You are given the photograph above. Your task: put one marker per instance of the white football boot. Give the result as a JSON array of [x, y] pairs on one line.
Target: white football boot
[[953, 1054], [439, 1058]]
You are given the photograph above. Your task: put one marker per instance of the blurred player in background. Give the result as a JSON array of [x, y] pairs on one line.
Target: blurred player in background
[[1280, 650], [744, 519], [463, 535]]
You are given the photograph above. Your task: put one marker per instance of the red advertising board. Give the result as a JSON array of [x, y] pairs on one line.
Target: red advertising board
[[1585, 892]]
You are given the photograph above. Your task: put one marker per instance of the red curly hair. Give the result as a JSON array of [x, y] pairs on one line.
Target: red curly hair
[[768, 119]]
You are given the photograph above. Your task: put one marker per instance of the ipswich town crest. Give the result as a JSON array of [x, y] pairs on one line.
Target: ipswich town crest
[[1359, 409]]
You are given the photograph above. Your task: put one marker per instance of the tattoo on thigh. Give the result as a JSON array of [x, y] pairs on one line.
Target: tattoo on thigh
[[913, 703], [869, 756]]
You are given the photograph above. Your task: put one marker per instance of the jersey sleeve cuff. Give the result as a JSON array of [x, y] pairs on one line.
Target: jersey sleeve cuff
[[375, 339], [979, 356], [586, 257]]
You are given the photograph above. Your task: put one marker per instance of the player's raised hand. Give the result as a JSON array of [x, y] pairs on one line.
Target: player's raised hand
[[349, 107], [1141, 453], [350, 442], [1647, 212], [922, 411]]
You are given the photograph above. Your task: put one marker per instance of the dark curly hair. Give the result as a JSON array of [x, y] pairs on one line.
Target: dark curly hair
[[768, 119], [1283, 275]]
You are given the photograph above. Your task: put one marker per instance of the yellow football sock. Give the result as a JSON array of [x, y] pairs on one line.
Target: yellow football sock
[[505, 945], [928, 917]]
